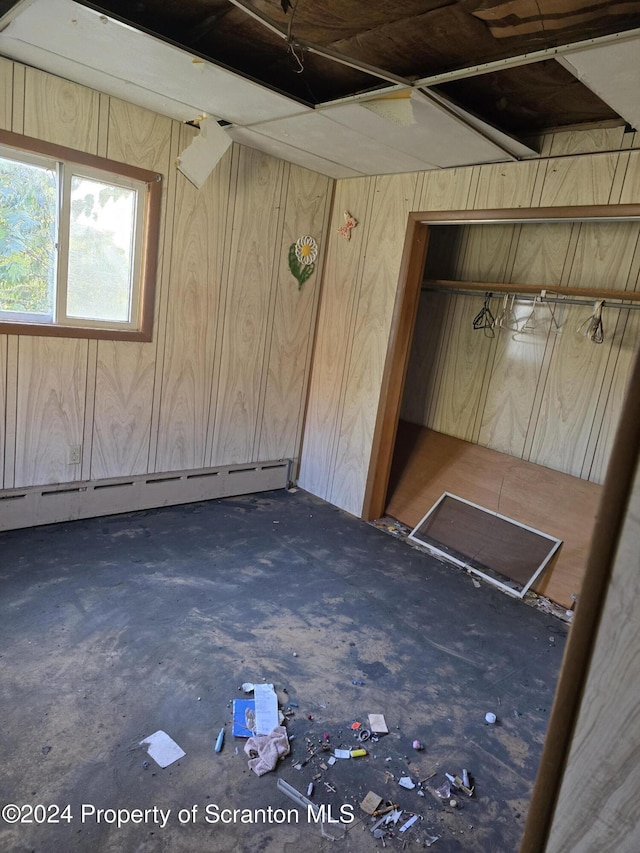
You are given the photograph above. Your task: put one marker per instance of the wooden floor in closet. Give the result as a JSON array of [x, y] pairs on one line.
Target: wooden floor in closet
[[428, 463]]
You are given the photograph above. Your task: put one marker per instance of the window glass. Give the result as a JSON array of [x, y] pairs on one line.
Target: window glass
[[28, 226], [79, 239], [101, 257]]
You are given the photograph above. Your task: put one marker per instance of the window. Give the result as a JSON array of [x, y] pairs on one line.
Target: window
[[78, 242]]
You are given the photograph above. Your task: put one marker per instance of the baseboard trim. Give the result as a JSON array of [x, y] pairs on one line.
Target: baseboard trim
[[37, 505]]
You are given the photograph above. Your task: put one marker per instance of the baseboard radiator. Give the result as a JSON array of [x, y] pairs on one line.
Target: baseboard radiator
[[38, 505]]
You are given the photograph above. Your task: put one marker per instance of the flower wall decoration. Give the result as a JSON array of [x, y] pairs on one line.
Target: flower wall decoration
[[302, 259]]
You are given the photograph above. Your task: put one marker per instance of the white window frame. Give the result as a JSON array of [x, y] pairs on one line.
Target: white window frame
[[145, 239]]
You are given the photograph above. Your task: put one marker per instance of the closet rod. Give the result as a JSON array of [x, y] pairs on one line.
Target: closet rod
[[592, 295], [556, 300]]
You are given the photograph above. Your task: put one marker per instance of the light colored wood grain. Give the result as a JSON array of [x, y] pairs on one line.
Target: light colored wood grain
[[515, 372], [604, 814], [11, 405], [50, 410], [198, 228], [427, 464], [579, 180], [541, 253], [569, 401], [445, 189], [393, 199], [613, 398], [89, 409], [17, 114], [486, 252], [604, 254], [332, 344], [506, 185], [163, 279], [251, 277], [419, 387], [587, 141], [124, 379], [62, 112], [3, 402], [291, 335], [631, 187], [463, 367], [122, 423], [6, 93]]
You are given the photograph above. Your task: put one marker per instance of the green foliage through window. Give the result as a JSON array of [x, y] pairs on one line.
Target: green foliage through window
[[28, 213]]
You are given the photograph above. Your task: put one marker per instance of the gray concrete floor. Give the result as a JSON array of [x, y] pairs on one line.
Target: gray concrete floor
[[114, 628]]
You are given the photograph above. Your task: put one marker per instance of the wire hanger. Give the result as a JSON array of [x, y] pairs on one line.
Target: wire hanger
[[529, 324], [507, 319], [552, 313], [592, 327], [484, 319]]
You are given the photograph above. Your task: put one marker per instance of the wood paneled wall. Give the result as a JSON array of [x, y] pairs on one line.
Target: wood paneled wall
[[224, 379], [537, 389], [605, 815], [575, 168]]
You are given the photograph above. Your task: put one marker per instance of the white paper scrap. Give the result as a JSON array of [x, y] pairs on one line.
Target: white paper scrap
[[163, 749], [266, 708], [342, 753], [409, 823], [406, 782], [377, 724]]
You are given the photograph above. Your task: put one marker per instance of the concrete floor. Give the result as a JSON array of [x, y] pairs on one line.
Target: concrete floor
[[113, 628]]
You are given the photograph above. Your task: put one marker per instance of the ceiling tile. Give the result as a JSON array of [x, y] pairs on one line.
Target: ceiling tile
[[612, 72], [64, 37]]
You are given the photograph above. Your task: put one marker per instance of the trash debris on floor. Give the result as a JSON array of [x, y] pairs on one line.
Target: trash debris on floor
[[264, 751], [335, 767], [163, 749]]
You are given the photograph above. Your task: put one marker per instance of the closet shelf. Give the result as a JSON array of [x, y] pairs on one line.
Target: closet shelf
[[592, 294]]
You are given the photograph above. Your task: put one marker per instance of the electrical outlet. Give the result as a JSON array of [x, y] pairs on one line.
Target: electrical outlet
[[75, 452]]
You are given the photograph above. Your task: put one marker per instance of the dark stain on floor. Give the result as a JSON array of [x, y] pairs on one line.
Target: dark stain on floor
[[113, 628]]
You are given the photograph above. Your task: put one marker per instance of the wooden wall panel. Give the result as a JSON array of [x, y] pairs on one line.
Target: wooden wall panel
[[124, 372], [541, 253], [575, 142], [515, 372], [604, 255], [445, 189], [631, 187], [6, 102], [256, 226], [463, 367], [198, 234], [121, 423], [50, 409], [422, 371], [228, 346], [6, 93], [579, 180], [568, 404], [392, 201], [605, 748], [612, 397], [3, 402], [291, 335], [61, 112], [341, 274], [506, 185]]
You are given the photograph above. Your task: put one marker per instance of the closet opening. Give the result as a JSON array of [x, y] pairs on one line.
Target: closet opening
[[510, 382]]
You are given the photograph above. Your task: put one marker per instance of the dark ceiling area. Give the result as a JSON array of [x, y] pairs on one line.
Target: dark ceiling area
[[318, 51]]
